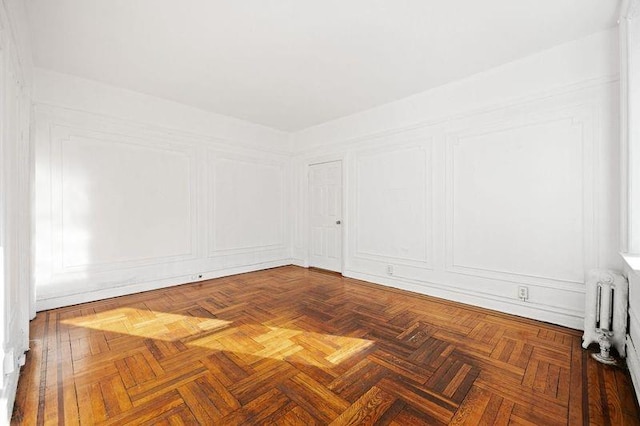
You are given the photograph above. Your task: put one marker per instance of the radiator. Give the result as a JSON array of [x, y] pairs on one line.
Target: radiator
[[605, 315]]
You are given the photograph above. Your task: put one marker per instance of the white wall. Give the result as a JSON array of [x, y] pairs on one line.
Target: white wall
[[630, 174], [15, 199], [135, 193], [469, 190]]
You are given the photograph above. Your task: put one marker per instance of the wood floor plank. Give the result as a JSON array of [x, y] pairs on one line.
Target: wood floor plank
[[150, 411], [301, 347], [409, 416], [320, 402], [200, 405], [472, 408], [367, 409]]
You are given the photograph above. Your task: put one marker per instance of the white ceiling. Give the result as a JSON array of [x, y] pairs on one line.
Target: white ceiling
[[291, 64]]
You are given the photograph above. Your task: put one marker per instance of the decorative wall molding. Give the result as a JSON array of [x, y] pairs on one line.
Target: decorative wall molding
[[193, 159], [15, 200], [60, 299], [629, 48], [61, 135], [424, 148], [597, 84], [556, 294], [560, 315], [214, 159], [92, 120], [583, 120]]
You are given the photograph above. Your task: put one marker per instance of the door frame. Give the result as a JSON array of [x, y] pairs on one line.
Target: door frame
[[307, 203]]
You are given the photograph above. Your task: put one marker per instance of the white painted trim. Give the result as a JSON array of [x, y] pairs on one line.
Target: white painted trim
[[300, 262], [624, 114], [61, 134], [53, 123], [632, 266], [90, 296], [306, 202], [633, 261], [565, 317], [15, 182], [580, 116], [348, 143], [582, 102], [425, 144], [92, 121], [629, 48], [213, 158], [11, 387], [633, 363]]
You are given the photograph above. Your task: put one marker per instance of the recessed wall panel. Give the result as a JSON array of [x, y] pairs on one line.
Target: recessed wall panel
[[517, 201], [391, 211], [122, 202], [247, 205]]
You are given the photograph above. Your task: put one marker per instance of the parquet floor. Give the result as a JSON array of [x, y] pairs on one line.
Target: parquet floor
[[296, 346]]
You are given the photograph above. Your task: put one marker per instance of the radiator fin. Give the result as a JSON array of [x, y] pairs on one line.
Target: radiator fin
[[606, 300]]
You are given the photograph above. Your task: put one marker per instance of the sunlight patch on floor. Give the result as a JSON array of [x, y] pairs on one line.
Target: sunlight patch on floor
[[244, 339], [148, 324]]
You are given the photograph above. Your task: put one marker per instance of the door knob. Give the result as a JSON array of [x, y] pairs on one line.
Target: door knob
[[338, 222]]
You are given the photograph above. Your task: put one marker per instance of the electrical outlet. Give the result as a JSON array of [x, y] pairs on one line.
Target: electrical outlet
[[523, 292], [389, 269]]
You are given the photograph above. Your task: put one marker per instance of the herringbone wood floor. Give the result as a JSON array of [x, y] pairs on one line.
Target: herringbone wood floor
[[293, 346]]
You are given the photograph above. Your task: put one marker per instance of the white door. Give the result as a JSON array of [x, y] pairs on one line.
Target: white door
[[325, 207]]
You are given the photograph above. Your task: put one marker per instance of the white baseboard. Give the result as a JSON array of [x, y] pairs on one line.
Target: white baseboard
[[515, 307], [8, 395], [300, 262], [57, 301]]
